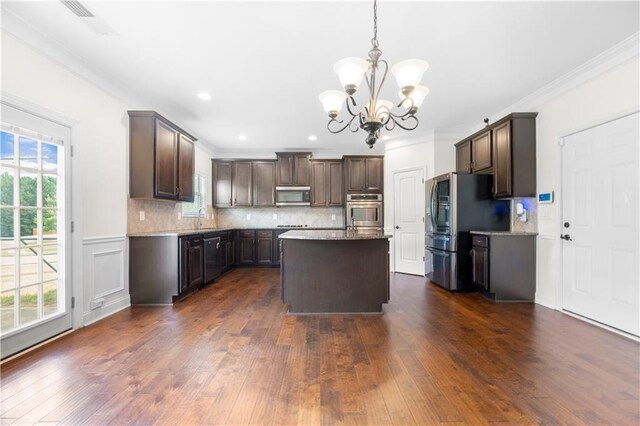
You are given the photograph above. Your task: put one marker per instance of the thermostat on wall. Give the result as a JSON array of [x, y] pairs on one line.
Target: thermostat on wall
[[545, 197]]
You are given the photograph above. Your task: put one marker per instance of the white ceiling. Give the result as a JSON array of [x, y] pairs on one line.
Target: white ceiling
[[265, 63]]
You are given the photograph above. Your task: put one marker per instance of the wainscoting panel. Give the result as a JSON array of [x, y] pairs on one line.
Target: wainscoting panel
[[106, 277]]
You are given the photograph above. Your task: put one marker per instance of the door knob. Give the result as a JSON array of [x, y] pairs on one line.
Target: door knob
[[566, 237], [397, 227], [566, 224]]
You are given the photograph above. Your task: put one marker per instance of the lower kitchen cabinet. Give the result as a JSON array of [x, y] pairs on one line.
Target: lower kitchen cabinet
[[264, 247], [247, 250], [504, 265]]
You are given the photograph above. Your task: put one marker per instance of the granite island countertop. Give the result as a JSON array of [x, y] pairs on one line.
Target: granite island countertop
[[332, 235], [505, 233]]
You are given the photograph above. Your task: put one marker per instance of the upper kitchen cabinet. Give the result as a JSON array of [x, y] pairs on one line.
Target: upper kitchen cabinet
[[475, 155], [364, 173], [161, 158], [463, 157], [293, 169], [242, 184], [221, 176], [507, 150], [514, 156], [326, 183], [264, 183]]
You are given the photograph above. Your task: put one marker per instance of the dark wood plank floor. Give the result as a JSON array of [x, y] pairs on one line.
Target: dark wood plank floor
[[230, 355]]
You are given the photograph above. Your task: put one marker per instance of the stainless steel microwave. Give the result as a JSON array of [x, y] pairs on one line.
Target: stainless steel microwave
[[293, 196]]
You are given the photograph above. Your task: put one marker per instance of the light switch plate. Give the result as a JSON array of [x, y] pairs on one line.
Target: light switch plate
[[248, 217], [275, 216], [141, 215], [333, 217]]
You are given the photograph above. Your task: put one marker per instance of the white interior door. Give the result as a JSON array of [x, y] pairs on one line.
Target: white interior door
[[408, 205], [35, 291], [600, 215]]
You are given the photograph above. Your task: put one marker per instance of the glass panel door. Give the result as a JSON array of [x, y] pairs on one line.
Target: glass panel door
[[34, 295]]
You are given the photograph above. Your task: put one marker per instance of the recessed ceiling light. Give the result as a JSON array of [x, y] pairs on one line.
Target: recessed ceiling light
[[242, 137], [204, 96], [313, 138]]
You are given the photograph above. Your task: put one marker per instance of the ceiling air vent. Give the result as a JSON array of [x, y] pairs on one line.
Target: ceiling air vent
[[78, 8]]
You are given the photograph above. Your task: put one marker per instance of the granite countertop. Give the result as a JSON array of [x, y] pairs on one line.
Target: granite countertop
[[183, 232], [332, 235], [505, 233]]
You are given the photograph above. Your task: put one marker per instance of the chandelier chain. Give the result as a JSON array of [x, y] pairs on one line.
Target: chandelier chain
[[374, 40]]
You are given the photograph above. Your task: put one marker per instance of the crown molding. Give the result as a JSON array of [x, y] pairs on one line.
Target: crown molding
[[610, 58]]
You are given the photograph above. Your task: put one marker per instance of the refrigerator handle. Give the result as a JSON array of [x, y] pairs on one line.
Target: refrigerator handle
[[432, 205]]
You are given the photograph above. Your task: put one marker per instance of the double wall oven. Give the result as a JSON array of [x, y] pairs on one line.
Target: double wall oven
[[457, 204], [364, 212]]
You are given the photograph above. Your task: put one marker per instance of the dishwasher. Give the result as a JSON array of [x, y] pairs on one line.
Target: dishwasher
[[212, 258]]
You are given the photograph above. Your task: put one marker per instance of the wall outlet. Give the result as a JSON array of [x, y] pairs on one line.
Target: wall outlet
[[275, 216], [141, 215], [248, 217], [179, 216], [333, 217]]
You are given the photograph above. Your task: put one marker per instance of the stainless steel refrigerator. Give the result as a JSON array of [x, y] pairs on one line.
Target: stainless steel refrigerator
[[456, 204]]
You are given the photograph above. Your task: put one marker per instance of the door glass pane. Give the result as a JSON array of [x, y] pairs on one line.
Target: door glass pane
[[28, 153], [28, 227], [29, 311], [50, 296], [49, 223], [49, 158], [49, 191], [28, 189], [7, 311], [7, 149], [6, 228], [6, 187], [8, 269], [49, 263], [29, 266]]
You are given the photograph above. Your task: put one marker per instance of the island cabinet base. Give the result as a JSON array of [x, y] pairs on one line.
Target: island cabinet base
[[335, 276]]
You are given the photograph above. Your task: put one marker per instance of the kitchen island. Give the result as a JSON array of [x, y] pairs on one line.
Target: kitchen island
[[334, 271]]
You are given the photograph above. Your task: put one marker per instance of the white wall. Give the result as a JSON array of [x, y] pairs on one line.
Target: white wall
[[603, 97]]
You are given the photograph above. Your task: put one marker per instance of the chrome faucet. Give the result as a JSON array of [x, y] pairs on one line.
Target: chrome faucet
[[201, 213]]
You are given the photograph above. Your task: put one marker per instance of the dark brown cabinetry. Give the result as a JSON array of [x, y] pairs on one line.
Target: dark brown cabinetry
[[474, 155], [221, 176], [264, 183], [161, 158], [247, 248], [241, 183], [191, 263], [463, 157], [481, 153], [364, 174], [326, 183], [507, 150], [264, 247], [293, 169], [497, 258]]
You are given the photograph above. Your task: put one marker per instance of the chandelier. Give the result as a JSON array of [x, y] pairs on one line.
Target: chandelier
[[377, 113]]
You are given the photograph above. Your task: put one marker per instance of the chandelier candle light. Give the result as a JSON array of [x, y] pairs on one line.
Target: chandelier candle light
[[377, 113]]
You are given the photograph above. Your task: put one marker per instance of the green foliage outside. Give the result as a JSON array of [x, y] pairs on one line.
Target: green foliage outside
[[28, 197], [30, 300]]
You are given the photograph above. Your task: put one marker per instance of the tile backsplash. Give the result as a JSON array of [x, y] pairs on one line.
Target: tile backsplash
[[270, 217], [531, 225], [162, 216]]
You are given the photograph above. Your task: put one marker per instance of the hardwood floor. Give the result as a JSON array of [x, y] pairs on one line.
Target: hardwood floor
[[229, 355]]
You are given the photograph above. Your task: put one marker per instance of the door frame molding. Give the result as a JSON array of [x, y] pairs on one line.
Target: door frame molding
[[559, 149], [75, 240], [423, 169]]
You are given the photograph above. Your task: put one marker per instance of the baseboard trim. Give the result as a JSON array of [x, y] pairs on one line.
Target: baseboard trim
[[107, 310]]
